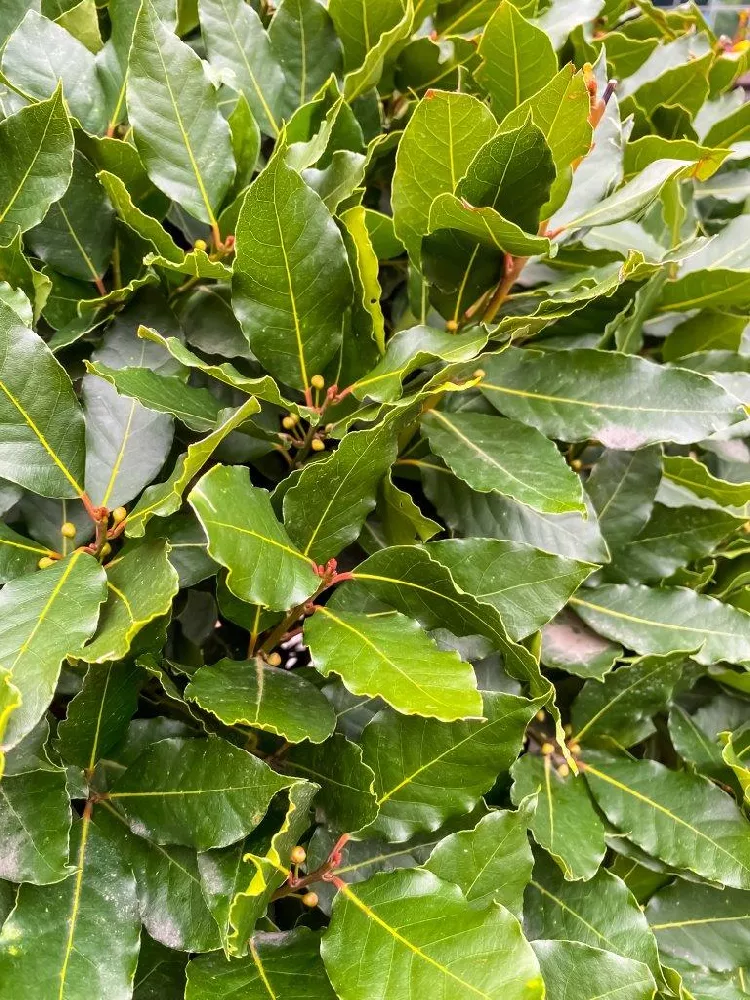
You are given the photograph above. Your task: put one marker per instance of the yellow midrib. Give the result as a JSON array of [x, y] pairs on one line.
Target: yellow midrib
[[76, 905], [45, 610], [37, 153]]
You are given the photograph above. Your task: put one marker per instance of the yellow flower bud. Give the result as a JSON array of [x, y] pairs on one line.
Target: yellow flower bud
[[563, 770], [119, 514], [317, 445], [310, 899], [317, 381], [547, 749], [274, 660], [290, 421], [68, 530], [45, 562], [105, 550], [298, 855], [200, 245]]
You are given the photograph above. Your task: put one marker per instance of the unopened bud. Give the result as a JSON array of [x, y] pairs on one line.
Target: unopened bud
[[541, 715], [574, 747], [119, 514], [479, 373], [290, 421], [298, 855], [451, 326], [310, 899], [200, 245], [68, 530], [317, 381], [547, 749], [45, 562], [274, 660], [105, 550], [563, 770], [317, 445], [576, 464]]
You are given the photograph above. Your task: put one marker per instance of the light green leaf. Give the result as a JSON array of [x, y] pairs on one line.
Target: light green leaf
[[367, 270], [625, 402], [419, 936], [494, 455], [564, 822], [18, 272], [450, 129], [199, 793], [427, 772], [660, 620], [79, 937], [448, 211], [695, 476], [244, 535], [680, 818], [394, 659], [182, 138], [238, 44], [591, 972], [360, 24], [34, 814], [141, 584], [517, 59], [98, 716], [286, 234], [262, 697], [18, 555], [368, 75], [347, 785], [492, 862], [47, 616], [277, 964], [137, 220]]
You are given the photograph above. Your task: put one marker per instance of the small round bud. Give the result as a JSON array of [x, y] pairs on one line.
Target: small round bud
[[317, 445], [200, 245], [479, 373], [105, 550], [119, 514], [451, 326], [298, 855], [45, 562], [317, 381], [274, 660], [541, 715], [574, 747], [290, 421], [310, 899], [547, 749], [563, 770], [576, 464], [68, 530]]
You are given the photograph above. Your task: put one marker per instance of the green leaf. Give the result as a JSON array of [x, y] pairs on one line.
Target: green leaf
[[564, 823], [368, 75], [262, 697], [601, 913], [238, 44], [448, 211], [126, 444], [366, 270], [99, 715], [18, 272], [166, 498], [517, 59], [492, 862], [427, 772], [450, 129], [18, 555], [199, 793], [702, 925], [141, 223], [244, 535], [401, 520], [173, 908], [141, 584], [678, 817], [182, 138], [359, 24], [33, 644], [79, 936], [623, 486], [622, 401], [660, 620], [347, 793], [277, 964], [622, 706], [591, 972], [394, 659], [568, 645], [291, 276], [41, 56], [160, 974], [304, 41], [494, 455], [34, 814], [432, 939], [695, 476], [527, 586]]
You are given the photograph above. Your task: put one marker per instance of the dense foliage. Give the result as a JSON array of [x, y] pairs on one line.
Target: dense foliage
[[375, 484]]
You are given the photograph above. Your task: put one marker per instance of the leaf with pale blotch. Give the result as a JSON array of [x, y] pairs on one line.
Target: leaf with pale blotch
[[46, 617], [141, 584], [564, 822], [347, 784], [262, 697], [678, 817], [592, 973], [198, 793], [625, 402], [179, 131], [98, 716], [621, 707], [43, 448], [494, 455], [419, 936], [426, 772], [517, 59], [392, 658], [492, 862], [277, 962], [244, 535], [79, 937], [166, 498], [450, 129], [292, 281], [663, 619], [568, 644]]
